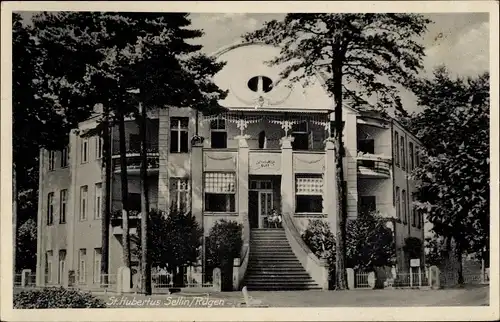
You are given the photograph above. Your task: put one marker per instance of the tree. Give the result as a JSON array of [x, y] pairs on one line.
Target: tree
[[370, 242], [454, 173], [175, 241], [41, 118], [144, 52], [26, 245], [223, 246], [372, 52]]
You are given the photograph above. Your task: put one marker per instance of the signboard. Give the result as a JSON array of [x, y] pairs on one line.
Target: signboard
[[415, 262], [265, 163]]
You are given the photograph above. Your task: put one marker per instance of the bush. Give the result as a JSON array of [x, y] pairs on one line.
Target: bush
[[223, 246], [48, 298], [320, 240]]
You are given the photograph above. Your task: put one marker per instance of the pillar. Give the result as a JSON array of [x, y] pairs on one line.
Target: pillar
[[242, 179], [330, 186], [287, 176], [40, 253]]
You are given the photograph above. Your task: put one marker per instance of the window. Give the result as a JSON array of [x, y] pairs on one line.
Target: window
[[64, 157], [62, 266], [417, 157], [403, 156], [134, 143], [63, 203], [367, 205], [82, 259], [404, 206], [218, 134], [179, 192], [98, 147], [396, 148], [179, 142], [48, 267], [220, 191], [366, 146], [309, 194], [97, 265], [83, 202], [85, 150], [50, 208], [398, 205], [300, 133], [52, 160], [134, 201], [411, 164], [420, 218], [98, 201]]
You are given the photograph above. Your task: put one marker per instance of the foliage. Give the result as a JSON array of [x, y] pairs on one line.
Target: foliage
[[26, 245], [413, 247], [224, 242], [319, 238], [52, 298], [174, 240], [361, 57], [223, 245], [454, 172], [370, 243], [435, 253]]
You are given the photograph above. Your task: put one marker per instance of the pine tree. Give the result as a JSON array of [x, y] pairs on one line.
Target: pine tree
[[361, 56]]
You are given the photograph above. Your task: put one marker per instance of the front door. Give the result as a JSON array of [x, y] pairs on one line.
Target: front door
[[265, 206], [253, 208]]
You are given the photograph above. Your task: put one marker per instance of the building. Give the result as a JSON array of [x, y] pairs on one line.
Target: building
[[270, 150]]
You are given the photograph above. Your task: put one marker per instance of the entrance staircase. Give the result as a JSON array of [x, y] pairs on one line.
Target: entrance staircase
[[272, 264]]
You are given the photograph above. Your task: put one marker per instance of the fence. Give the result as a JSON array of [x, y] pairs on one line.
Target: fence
[[361, 280], [411, 280], [165, 280]]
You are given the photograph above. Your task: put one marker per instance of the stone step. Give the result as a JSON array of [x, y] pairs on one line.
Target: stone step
[[280, 274], [281, 287], [260, 280], [272, 269]]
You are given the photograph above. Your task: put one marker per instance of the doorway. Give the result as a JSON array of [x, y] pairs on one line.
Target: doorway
[[260, 202]]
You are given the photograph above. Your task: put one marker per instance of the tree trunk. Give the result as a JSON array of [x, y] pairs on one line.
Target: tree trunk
[[341, 277], [124, 190], [146, 265], [14, 217], [106, 197], [460, 265]]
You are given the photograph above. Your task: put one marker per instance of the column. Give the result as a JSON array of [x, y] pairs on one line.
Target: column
[[163, 146], [197, 179], [330, 185], [242, 177], [287, 177], [40, 253]]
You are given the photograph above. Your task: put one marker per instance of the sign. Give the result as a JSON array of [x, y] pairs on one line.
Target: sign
[[415, 262], [265, 164]]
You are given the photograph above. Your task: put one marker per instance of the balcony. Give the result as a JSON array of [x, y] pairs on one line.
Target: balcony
[[116, 222], [134, 162], [373, 166]]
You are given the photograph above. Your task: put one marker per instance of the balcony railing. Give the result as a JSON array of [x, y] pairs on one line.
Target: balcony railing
[[134, 162], [371, 165]]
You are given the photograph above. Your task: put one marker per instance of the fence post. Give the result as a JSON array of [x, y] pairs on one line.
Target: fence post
[[217, 280], [350, 278], [25, 277], [411, 277]]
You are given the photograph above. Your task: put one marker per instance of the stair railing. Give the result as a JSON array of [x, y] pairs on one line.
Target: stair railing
[[317, 268], [241, 264]]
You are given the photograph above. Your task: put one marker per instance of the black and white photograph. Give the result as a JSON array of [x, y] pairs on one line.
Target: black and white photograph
[[306, 157]]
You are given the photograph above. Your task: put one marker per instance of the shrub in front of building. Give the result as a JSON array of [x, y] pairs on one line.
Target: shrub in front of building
[[53, 298], [224, 244]]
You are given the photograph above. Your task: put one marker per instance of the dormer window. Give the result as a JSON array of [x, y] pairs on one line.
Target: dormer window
[[260, 84]]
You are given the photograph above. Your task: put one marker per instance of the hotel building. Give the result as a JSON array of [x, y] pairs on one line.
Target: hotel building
[[270, 150]]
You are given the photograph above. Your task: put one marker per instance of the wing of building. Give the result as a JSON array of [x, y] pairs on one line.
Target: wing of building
[[270, 150]]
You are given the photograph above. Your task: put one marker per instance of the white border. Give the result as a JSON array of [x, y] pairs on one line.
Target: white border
[[292, 314]]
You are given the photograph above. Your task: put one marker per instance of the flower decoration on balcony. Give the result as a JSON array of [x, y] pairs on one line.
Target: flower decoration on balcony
[[197, 140], [374, 157]]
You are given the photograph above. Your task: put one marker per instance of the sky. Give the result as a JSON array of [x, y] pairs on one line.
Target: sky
[[460, 41]]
